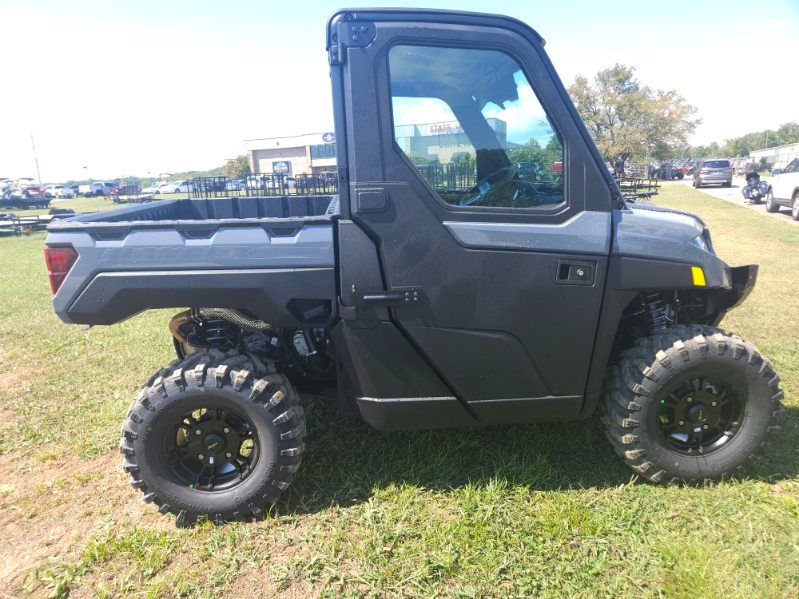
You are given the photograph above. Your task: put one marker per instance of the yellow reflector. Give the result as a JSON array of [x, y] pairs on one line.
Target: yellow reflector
[[699, 276]]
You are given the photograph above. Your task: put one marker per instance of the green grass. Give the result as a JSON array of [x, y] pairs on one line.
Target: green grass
[[542, 510]]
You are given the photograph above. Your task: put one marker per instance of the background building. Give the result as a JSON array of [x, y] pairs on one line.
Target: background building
[[778, 156], [315, 153], [442, 142], [311, 153]]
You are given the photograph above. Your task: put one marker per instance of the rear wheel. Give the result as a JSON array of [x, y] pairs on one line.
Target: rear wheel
[[795, 206], [208, 437], [690, 404], [771, 205]]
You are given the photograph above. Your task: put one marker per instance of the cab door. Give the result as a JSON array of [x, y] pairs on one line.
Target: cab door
[[488, 209]]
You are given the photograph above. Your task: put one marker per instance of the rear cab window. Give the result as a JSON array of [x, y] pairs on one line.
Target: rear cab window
[[472, 126]]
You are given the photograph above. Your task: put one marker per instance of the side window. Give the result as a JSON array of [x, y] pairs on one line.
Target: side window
[[472, 126]]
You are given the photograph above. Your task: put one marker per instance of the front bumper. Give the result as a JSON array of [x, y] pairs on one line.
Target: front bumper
[[742, 281]]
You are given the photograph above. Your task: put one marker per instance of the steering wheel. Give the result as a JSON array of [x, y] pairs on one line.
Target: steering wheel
[[484, 186]]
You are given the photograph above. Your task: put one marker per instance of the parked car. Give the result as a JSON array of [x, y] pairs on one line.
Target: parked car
[[234, 185], [59, 191], [126, 190], [713, 171], [27, 196], [177, 187], [784, 190], [421, 315], [90, 190], [153, 188], [268, 181]]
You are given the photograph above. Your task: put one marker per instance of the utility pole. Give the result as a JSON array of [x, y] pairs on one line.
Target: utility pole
[[36, 160]]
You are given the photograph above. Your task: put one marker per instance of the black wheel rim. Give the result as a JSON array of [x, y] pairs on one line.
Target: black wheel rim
[[700, 415], [211, 448]]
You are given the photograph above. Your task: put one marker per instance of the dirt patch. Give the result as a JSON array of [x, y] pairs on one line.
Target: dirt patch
[[7, 418], [48, 510], [17, 377]]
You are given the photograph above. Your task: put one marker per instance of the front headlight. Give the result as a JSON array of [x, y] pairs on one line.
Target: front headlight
[[702, 241]]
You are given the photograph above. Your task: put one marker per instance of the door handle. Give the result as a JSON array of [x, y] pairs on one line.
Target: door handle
[[410, 296], [576, 272]]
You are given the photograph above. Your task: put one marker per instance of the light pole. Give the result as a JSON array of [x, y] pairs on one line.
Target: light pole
[[36, 160]]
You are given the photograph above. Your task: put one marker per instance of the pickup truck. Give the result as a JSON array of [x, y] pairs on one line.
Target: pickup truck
[[469, 292], [90, 190]]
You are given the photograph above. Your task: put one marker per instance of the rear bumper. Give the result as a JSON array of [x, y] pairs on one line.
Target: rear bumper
[[715, 179]]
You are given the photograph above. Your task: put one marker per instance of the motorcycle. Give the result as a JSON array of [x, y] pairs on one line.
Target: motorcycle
[[755, 189]]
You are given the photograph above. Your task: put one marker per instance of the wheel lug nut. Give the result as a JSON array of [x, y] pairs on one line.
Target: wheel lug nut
[[689, 399], [714, 403], [201, 456], [705, 426], [198, 432], [682, 422], [228, 455], [226, 429]]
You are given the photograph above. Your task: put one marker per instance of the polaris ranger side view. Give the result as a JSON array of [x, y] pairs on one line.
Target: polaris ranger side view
[[445, 285]]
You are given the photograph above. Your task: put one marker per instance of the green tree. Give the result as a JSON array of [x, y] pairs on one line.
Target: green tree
[[238, 167], [631, 120]]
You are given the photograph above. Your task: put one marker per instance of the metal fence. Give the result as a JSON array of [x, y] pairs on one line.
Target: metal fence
[[452, 177], [266, 185]]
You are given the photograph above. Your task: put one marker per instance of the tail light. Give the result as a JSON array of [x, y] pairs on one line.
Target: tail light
[[59, 261]]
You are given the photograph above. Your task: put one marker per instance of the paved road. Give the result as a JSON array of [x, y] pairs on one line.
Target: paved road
[[733, 194]]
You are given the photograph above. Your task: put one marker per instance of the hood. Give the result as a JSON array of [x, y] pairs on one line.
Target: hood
[[653, 232]]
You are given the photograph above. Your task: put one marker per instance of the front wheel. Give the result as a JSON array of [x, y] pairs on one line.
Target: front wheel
[[209, 437], [795, 206], [690, 404]]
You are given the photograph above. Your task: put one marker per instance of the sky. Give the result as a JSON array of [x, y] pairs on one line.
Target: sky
[[112, 88]]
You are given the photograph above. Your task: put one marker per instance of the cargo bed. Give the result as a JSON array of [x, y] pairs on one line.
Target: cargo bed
[[272, 256]]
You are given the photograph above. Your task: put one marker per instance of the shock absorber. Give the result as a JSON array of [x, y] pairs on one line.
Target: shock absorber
[[217, 332], [655, 312]]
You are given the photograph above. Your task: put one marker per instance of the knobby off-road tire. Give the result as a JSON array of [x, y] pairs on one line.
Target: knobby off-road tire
[[641, 390], [211, 395]]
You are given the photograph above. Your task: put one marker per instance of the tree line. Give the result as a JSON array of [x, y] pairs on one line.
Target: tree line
[[632, 121], [743, 145]]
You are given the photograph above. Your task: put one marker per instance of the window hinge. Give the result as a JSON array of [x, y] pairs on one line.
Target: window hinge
[[350, 33]]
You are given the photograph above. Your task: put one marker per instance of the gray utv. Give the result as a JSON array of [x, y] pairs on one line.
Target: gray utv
[[475, 264]]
